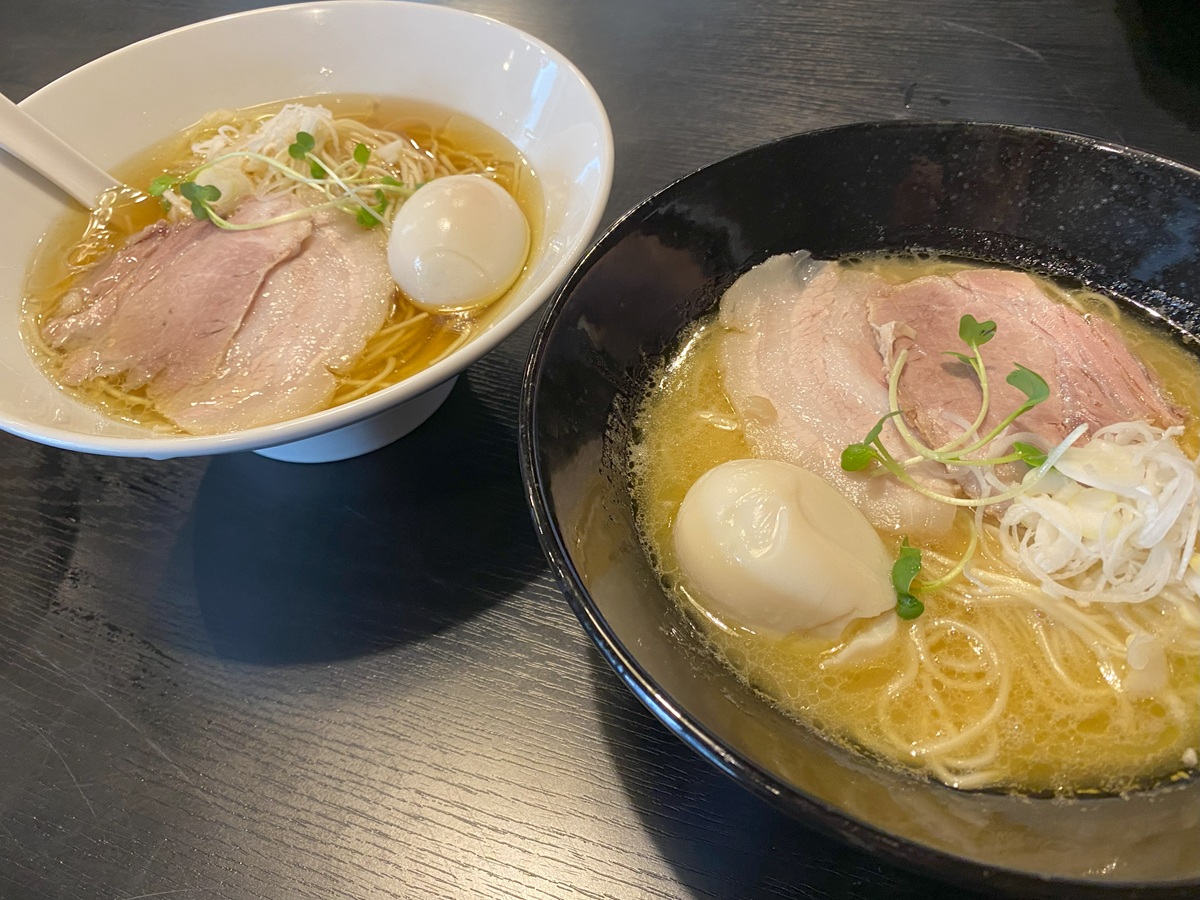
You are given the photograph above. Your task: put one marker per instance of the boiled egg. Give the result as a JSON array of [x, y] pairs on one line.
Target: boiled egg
[[459, 242], [774, 547]]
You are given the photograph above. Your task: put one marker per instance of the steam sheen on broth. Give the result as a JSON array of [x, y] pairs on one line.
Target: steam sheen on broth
[[411, 338], [990, 688]]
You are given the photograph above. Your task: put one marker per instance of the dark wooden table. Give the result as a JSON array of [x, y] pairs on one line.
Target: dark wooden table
[[239, 678]]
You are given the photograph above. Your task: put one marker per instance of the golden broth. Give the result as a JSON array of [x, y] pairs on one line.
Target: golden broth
[[1092, 740], [404, 345]]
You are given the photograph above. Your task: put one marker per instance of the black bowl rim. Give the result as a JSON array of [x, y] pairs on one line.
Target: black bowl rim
[[805, 808]]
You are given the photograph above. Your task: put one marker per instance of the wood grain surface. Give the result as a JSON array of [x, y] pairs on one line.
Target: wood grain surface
[[239, 678]]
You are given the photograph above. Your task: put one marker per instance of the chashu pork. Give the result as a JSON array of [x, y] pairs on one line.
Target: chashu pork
[[163, 311], [312, 316], [801, 367], [1093, 378]]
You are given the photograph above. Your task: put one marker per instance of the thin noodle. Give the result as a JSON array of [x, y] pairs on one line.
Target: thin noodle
[[365, 388]]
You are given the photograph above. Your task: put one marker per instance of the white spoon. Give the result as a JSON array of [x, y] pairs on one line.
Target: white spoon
[[29, 141]]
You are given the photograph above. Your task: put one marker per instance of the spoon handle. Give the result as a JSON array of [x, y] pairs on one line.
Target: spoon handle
[[29, 141]]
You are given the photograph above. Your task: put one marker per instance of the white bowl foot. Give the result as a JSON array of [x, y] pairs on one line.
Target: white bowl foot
[[367, 435]]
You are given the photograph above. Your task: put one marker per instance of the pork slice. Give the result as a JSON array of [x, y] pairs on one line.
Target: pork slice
[[169, 320], [88, 307], [314, 313], [1092, 376], [801, 367], [87, 311]]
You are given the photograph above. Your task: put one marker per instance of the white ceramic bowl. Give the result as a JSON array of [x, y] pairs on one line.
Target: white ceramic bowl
[[119, 104]]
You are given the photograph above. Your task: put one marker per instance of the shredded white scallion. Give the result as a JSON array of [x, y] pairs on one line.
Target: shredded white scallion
[[1119, 523]]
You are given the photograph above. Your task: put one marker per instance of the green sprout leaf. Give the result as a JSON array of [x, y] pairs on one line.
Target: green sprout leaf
[[975, 333], [1029, 454], [392, 182], [908, 607], [316, 169], [904, 570], [906, 567], [363, 215], [1029, 383], [303, 146], [961, 357], [161, 185], [202, 196], [362, 153], [857, 457]]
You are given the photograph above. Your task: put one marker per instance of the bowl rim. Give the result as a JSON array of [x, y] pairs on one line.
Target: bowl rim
[[912, 855], [427, 379]]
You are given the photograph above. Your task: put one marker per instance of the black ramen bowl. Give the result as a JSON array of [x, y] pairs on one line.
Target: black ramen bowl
[[1119, 220]]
